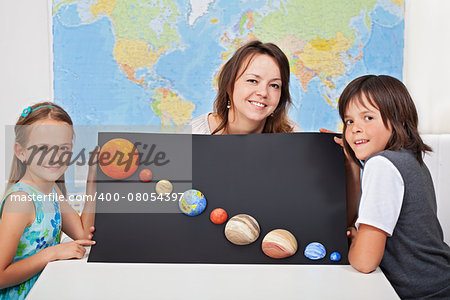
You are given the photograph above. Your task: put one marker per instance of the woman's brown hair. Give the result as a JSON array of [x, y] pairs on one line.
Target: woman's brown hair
[[279, 121], [396, 107], [45, 110]]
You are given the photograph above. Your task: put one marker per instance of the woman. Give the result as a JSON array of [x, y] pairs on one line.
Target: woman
[[253, 95]]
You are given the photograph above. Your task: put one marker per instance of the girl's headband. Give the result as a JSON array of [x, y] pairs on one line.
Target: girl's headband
[[28, 110]]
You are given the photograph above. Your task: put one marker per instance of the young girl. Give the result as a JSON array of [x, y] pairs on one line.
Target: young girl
[[253, 95], [32, 214], [397, 227]]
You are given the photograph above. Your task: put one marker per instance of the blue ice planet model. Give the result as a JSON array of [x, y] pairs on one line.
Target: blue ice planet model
[[192, 203], [315, 251], [335, 256]]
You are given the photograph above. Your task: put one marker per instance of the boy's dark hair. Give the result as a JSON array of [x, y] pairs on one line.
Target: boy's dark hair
[[396, 107]]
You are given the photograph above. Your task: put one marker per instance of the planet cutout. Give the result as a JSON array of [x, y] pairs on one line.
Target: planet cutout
[[118, 158], [192, 202], [279, 243], [218, 216], [242, 230], [335, 256], [315, 251], [145, 175], [164, 187]]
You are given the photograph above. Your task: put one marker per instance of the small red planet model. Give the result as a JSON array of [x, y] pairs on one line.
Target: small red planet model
[[145, 175], [218, 216]]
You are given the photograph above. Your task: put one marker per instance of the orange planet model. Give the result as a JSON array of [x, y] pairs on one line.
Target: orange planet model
[[118, 158], [218, 216]]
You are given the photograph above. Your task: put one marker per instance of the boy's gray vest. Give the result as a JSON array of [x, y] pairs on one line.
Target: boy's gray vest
[[416, 260]]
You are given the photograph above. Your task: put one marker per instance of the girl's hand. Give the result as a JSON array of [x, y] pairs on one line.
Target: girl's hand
[[92, 171], [93, 161], [69, 250], [91, 230], [82, 227]]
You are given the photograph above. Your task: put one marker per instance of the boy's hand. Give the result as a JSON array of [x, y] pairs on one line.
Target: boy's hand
[[337, 140], [351, 233], [352, 182]]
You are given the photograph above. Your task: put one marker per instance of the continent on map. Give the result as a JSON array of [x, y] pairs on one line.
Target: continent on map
[[171, 108], [134, 54], [58, 4], [198, 9], [144, 31], [246, 21], [312, 19], [146, 20], [147, 62], [315, 46], [103, 7], [325, 57]]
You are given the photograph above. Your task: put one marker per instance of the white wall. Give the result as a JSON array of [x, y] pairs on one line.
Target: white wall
[[426, 70], [439, 164], [25, 62]]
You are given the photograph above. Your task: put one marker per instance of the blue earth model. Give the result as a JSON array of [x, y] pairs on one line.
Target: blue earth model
[[192, 203], [335, 256], [315, 251]]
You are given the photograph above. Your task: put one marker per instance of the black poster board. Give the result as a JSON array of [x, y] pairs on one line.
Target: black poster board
[[291, 181]]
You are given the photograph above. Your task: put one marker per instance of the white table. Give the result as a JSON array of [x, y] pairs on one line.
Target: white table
[[77, 279]]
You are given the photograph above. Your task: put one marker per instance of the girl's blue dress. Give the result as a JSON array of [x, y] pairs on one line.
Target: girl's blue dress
[[42, 233]]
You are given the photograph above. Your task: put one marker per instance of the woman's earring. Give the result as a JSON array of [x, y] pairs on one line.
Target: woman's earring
[[271, 114], [229, 104]]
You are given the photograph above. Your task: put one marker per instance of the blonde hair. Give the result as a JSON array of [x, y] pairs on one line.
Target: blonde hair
[[45, 110]]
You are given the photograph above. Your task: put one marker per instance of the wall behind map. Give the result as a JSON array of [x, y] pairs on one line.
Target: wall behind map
[[26, 61], [426, 68]]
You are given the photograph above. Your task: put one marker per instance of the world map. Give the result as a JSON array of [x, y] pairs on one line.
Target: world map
[[147, 62]]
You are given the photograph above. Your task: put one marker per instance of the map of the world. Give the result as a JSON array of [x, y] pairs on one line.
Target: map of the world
[[155, 62]]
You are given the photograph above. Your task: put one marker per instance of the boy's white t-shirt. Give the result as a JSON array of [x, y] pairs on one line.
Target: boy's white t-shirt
[[382, 190]]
